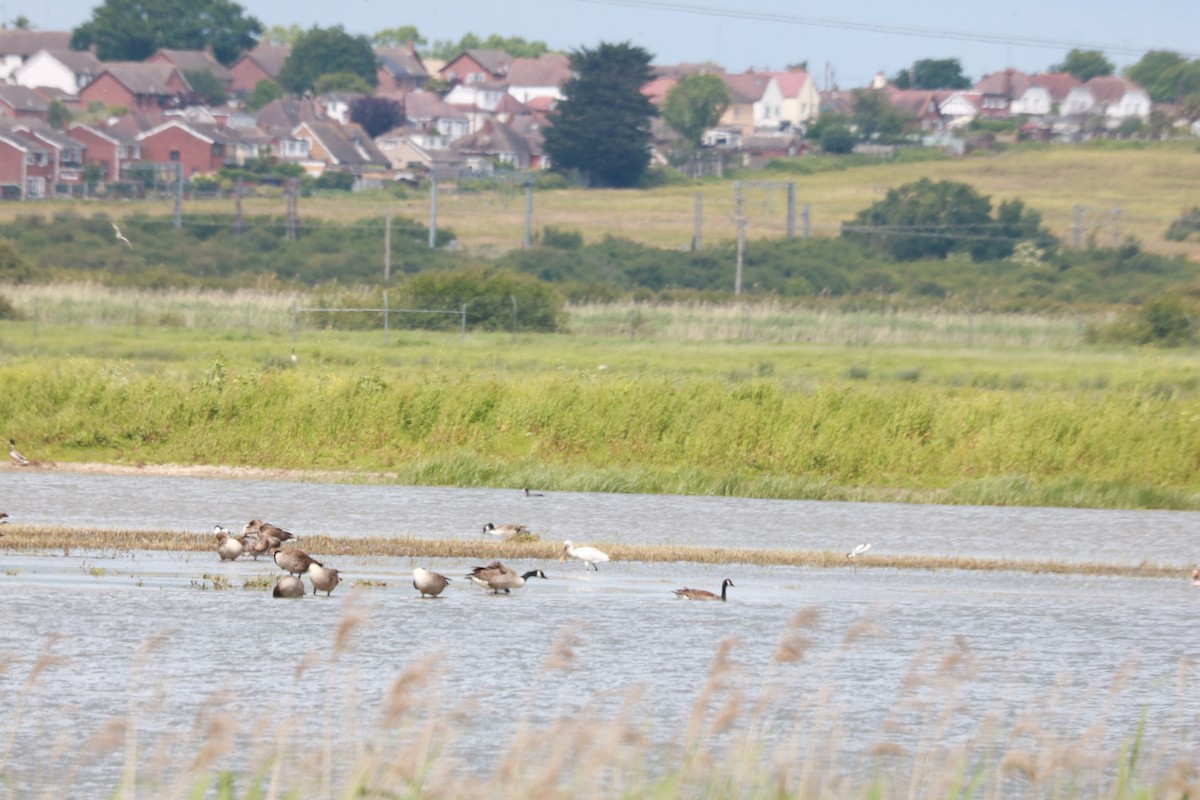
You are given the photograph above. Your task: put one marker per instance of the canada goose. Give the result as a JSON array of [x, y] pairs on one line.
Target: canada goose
[[701, 594], [503, 530], [429, 583], [288, 586], [258, 526], [294, 561], [588, 555], [533, 494], [858, 550], [497, 577], [228, 548], [260, 543], [15, 455], [3, 517], [324, 579]]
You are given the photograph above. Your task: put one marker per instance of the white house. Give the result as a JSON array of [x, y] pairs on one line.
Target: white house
[[18, 46], [65, 70], [959, 107], [1114, 98], [538, 77], [800, 100]]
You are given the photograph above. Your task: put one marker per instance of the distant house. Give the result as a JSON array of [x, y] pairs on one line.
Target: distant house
[[658, 89], [1012, 93], [755, 102], [346, 148], [1114, 98], [21, 102], [530, 78], [475, 66], [137, 86], [417, 150], [18, 46], [260, 64], [26, 166], [112, 149], [400, 70], [922, 104], [477, 100], [427, 111], [800, 101], [195, 61], [65, 152], [68, 71], [958, 108], [494, 143], [199, 149]]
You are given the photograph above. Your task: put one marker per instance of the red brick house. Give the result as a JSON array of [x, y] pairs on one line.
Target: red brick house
[[260, 64], [475, 66], [201, 149], [108, 147], [66, 153], [195, 61], [400, 70], [137, 86], [21, 102], [26, 167]]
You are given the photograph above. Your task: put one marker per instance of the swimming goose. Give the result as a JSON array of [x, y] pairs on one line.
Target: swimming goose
[[588, 555], [429, 583], [858, 550], [15, 455], [228, 548], [288, 586], [533, 494], [504, 530], [294, 561], [324, 579], [497, 577], [701, 594]]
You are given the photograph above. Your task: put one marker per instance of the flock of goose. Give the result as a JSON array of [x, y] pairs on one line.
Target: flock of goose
[[262, 538]]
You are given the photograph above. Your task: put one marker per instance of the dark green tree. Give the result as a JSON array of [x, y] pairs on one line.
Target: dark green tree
[[925, 219], [324, 51], [1084, 64], [932, 73], [341, 82], [206, 87], [876, 118], [376, 115], [133, 30], [264, 92], [58, 115], [602, 129], [399, 37], [515, 46], [694, 105], [1166, 75]]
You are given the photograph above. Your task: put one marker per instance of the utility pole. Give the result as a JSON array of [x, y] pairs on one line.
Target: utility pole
[[806, 220], [433, 200], [239, 190], [387, 247], [293, 216], [529, 213], [178, 195], [740, 219], [699, 220], [791, 210]]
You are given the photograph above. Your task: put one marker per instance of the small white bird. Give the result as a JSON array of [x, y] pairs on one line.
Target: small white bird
[[15, 455], [588, 555], [858, 550], [121, 237], [429, 583]]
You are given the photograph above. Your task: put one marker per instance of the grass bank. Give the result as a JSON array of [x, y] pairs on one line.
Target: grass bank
[[67, 540]]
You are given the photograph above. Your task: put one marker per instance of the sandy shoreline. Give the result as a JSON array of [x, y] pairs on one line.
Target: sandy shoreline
[[213, 471]]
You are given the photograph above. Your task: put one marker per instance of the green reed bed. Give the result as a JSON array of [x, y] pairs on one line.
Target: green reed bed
[[66, 539], [1129, 445]]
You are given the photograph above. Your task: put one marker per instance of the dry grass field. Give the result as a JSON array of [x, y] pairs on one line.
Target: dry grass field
[[1126, 190]]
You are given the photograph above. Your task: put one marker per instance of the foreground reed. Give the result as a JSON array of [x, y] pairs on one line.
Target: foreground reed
[[35, 538], [741, 739]]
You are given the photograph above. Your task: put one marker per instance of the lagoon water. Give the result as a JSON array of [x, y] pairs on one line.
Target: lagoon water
[[144, 637]]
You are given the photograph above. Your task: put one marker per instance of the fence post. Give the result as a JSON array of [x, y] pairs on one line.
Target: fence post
[[385, 318], [463, 335], [295, 314]]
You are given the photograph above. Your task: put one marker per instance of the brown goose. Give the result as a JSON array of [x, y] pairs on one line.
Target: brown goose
[[429, 583], [288, 586], [261, 543], [497, 577], [257, 526], [701, 594], [228, 548], [293, 561], [324, 579], [15, 455]]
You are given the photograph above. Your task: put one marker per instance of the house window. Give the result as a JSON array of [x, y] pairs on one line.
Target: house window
[[35, 187]]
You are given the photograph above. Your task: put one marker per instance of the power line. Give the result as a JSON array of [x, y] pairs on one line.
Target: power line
[[877, 27]]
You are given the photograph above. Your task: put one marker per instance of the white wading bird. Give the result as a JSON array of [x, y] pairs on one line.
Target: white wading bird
[[859, 550], [588, 555]]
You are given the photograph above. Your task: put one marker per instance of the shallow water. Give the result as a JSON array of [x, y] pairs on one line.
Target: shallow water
[[145, 636]]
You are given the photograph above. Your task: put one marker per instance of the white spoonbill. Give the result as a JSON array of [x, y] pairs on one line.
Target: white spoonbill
[[588, 555]]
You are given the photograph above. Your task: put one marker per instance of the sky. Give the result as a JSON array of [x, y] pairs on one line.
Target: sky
[[845, 44]]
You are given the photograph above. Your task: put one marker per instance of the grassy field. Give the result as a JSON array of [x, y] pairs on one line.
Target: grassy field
[[1133, 189], [681, 403]]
